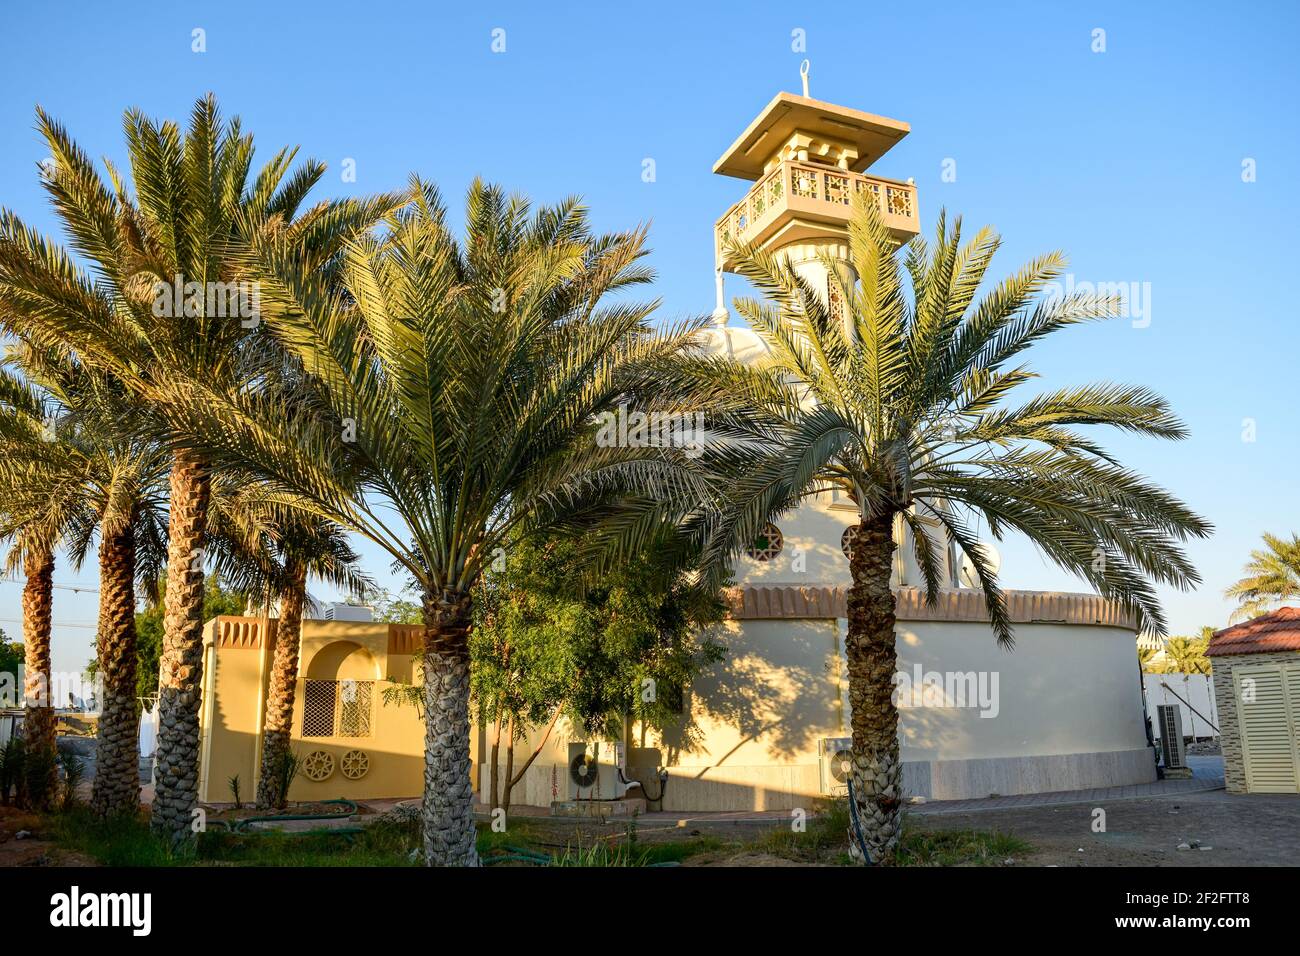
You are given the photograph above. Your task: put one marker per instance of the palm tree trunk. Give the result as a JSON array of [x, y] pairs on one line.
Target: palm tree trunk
[[116, 788], [180, 669], [38, 720], [877, 772], [280, 695], [448, 792]]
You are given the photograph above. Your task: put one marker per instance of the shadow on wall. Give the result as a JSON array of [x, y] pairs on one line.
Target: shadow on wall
[[778, 690]]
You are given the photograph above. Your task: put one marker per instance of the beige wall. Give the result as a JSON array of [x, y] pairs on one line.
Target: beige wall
[[1068, 714], [1064, 689], [812, 554], [234, 687]]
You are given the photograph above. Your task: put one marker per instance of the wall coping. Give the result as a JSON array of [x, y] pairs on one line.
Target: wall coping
[[754, 602], [245, 633], [790, 601]]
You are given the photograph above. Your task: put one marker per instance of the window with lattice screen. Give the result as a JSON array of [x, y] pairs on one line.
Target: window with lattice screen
[[834, 297], [318, 702], [337, 708], [354, 708]]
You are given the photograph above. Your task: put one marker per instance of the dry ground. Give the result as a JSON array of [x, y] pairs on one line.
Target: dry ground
[[1239, 829]]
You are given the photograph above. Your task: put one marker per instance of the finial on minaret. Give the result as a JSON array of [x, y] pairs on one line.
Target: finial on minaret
[[803, 75], [719, 314]]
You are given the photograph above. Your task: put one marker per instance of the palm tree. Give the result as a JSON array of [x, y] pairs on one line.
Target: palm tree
[[112, 481], [1272, 576], [172, 297], [266, 545], [39, 485], [1186, 655], [899, 405], [460, 382]]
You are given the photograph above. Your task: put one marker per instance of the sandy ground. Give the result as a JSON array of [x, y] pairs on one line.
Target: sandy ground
[[29, 851], [1238, 830]]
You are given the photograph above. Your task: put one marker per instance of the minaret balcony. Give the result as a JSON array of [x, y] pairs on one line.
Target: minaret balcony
[[807, 202]]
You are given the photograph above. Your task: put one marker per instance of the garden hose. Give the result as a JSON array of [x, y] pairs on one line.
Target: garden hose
[[244, 826], [857, 827]]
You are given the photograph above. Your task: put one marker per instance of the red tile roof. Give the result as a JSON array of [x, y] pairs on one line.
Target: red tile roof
[[1279, 631]]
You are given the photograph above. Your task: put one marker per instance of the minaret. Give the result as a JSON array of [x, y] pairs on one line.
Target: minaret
[[806, 159]]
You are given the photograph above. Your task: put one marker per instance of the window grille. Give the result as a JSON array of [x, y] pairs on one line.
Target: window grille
[[318, 708], [834, 297], [330, 704], [767, 545], [354, 708]]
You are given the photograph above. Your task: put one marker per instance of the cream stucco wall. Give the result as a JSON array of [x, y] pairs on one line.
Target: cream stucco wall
[[1065, 713], [237, 665], [812, 554], [1064, 689]]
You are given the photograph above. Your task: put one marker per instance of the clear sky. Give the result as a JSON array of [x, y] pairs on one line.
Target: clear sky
[[1131, 160]]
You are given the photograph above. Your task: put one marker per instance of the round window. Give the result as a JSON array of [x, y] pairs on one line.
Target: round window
[[767, 545]]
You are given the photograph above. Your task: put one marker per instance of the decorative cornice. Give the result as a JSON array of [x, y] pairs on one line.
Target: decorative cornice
[[244, 633], [1024, 607], [405, 638]]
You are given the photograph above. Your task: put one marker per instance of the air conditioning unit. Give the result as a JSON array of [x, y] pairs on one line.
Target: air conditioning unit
[[1172, 747], [348, 612], [597, 771], [835, 762]]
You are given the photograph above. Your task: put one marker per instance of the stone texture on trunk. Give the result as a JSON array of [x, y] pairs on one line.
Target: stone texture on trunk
[[116, 788], [877, 770], [180, 669], [448, 790], [280, 695], [38, 720]]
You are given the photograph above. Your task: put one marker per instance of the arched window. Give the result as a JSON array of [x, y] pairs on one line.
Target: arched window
[[338, 693]]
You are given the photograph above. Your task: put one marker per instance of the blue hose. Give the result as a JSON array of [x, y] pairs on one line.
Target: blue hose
[[857, 827]]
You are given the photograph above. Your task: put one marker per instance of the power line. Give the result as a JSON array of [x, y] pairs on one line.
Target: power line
[[79, 588], [92, 627]]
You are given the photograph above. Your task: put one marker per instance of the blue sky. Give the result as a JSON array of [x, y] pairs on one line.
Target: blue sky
[[1129, 159]]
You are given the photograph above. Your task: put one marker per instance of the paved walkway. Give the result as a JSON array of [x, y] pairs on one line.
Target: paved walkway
[[1207, 774]]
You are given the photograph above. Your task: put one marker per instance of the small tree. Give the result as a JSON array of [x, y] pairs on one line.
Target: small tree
[[602, 652]]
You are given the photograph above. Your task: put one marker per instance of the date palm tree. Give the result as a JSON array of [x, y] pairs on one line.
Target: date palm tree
[[171, 297], [1272, 576], [38, 503], [900, 404], [268, 546], [1187, 654], [461, 381], [113, 480]]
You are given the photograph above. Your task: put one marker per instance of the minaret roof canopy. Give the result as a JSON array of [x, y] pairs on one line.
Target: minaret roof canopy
[[872, 136]]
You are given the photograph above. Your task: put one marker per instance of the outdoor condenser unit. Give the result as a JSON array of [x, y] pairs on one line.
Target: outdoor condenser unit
[[348, 612], [835, 761], [594, 771], [1170, 718]]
